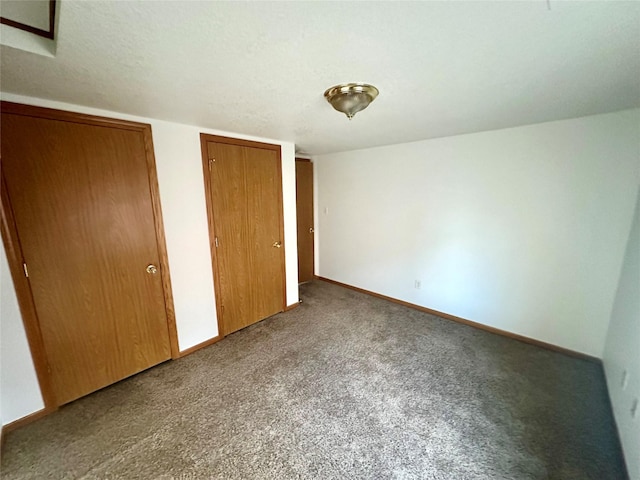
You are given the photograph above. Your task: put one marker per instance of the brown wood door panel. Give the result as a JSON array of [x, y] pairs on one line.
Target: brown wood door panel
[[245, 189], [82, 205], [228, 191], [264, 214], [304, 205]]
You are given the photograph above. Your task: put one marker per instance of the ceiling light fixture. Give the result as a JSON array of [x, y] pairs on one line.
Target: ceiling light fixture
[[350, 98]]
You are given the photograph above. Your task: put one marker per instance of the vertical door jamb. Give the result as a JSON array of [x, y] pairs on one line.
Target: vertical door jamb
[[161, 242], [27, 306], [206, 169]]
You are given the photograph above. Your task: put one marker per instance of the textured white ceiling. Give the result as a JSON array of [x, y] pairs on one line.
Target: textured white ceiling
[[260, 68]]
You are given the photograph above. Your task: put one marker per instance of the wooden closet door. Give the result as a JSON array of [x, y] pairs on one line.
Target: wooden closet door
[[246, 204], [304, 208], [80, 196]]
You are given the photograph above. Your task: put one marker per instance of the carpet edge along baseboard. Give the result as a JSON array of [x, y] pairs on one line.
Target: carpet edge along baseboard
[[470, 323], [31, 417]]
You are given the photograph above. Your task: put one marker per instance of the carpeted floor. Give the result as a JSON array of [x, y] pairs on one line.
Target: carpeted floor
[[345, 386]]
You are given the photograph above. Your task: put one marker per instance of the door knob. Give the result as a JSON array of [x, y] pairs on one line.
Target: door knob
[[277, 244], [311, 230], [152, 269]]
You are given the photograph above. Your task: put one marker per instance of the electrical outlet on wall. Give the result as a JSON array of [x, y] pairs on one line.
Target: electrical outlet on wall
[[418, 284]]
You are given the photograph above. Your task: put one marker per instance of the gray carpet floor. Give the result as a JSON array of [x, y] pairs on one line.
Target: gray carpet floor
[[346, 386]]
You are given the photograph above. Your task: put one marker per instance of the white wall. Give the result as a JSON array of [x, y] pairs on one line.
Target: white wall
[[182, 197], [521, 229], [622, 350]]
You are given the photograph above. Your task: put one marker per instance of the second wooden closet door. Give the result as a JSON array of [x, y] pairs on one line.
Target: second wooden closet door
[[246, 200]]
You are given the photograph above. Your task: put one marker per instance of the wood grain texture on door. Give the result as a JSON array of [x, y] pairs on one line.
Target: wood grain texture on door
[[245, 189], [304, 205], [81, 199]]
